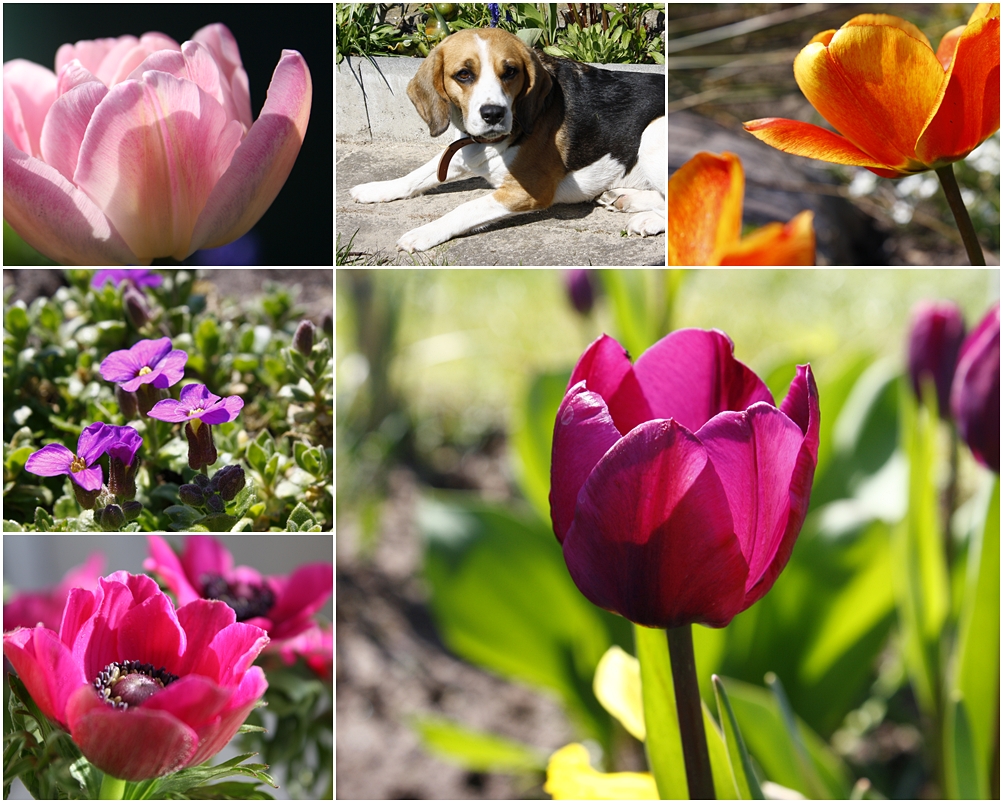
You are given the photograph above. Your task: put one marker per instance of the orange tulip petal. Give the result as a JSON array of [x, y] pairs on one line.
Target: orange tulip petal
[[969, 109], [705, 208], [777, 244], [805, 139], [876, 85]]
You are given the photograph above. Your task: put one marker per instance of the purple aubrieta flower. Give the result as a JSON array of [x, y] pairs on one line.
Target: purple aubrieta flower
[[149, 361], [138, 276], [197, 402], [55, 459]]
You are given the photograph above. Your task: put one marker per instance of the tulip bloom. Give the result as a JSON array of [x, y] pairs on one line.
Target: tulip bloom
[[136, 149], [705, 220], [975, 394], [284, 606], [678, 488], [901, 107], [143, 689], [934, 340]]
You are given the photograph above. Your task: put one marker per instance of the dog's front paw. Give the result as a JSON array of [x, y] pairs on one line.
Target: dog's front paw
[[613, 200], [420, 239], [374, 192], [647, 224]]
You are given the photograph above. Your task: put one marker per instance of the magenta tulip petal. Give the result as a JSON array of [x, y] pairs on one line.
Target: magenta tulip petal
[[164, 138], [583, 434], [754, 453], [50, 461], [264, 159], [675, 558], [975, 393], [692, 375], [665, 526], [55, 217]]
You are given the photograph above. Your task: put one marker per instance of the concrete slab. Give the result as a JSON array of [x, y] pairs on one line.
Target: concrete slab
[[564, 235]]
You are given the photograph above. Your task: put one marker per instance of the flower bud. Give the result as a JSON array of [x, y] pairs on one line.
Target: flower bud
[[85, 499], [122, 478], [215, 504], [201, 449], [191, 495], [132, 509], [201, 480], [135, 306], [229, 481], [112, 517], [934, 341], [303, 339], [127, 402]]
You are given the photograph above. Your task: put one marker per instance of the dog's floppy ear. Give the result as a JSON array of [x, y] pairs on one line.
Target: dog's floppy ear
[[428, 94], [534, 94]]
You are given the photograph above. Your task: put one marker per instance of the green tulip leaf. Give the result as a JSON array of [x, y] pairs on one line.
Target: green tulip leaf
[[738, 757], [476, 750]]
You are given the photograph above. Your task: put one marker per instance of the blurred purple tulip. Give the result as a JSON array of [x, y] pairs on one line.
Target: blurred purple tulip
[[935, 337], [975, 395]]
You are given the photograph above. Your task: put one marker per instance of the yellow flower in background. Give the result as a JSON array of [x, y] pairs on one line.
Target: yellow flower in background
[[571, 777]]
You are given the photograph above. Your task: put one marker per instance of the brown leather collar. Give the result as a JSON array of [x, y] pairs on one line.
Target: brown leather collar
[[448, 154]]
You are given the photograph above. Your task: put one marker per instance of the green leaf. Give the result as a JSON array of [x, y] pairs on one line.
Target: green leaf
[[16, 320], [533, 436], [974, 684], [738, 757], [477, 751], [257, 457], [664, 745], [503, 599], [768, 740], [806, 768], [919, 571], [193, 782], [271, 468], [12, 526], [43, 521], [207, 337], [182, 516], [301, 517]]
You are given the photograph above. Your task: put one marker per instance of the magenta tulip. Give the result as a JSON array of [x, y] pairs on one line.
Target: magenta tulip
[[678, 488], [975, 395], [136, 149], [143, 689], [935, 337]]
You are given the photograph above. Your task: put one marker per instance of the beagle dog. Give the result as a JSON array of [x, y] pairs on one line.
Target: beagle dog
[[541, 130]]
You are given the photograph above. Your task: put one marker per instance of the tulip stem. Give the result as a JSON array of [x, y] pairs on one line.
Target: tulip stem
[[961, 217], [690, 712], [111, 788]]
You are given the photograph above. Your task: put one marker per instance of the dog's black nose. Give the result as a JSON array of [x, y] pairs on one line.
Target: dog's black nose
[[492, 115]]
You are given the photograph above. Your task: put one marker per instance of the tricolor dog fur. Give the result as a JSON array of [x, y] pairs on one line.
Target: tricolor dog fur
[[541, 130]]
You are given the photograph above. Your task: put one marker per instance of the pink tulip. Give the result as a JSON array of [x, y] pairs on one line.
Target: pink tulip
[[137, 149]]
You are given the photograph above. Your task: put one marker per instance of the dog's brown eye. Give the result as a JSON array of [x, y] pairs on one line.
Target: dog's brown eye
[[464, 76], [509, 73]]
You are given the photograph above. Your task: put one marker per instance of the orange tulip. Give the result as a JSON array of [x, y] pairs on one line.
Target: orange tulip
[[900, 107], [705, 220]]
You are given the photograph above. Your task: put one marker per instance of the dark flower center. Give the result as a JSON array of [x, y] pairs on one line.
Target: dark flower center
[[77, 464], [246, 599], [130, 683]]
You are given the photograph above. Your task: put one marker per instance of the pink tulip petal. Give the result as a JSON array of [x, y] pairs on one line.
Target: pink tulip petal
[[754, 453], [109, 738], [159, 138], [28, 92], [261, 165], [67, 120], [652, 537], [692, 375], [55, 217], [223, 46]]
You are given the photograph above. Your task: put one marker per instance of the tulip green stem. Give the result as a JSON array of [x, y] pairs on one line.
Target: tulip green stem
[[689, 710], [111, 788], [961, 217]]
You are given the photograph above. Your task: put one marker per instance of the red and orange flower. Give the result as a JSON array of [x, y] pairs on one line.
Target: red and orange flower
[[901, 107]]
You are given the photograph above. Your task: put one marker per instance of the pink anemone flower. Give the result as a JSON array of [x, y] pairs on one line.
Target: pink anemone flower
[[45, 606], [136, 149], [143, 689], [284, 606]]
